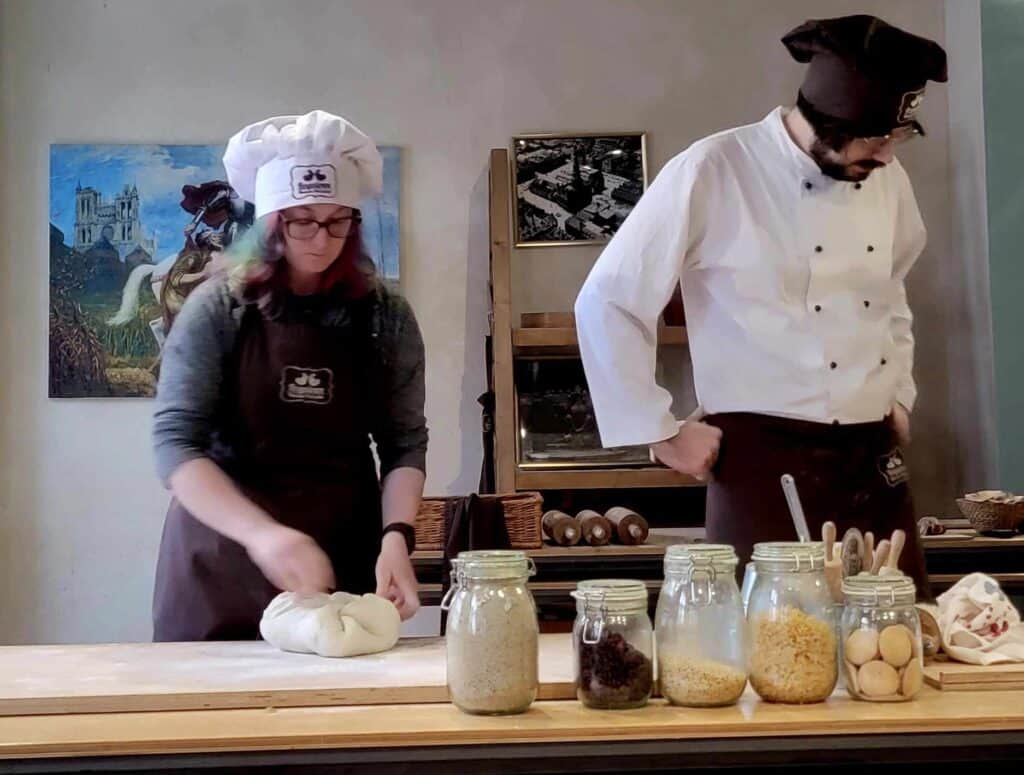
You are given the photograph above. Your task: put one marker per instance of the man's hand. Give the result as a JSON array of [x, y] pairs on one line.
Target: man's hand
[[396, 579], [900, 418], [693, 450]]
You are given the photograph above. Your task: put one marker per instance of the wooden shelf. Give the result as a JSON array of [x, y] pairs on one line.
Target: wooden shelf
[[609, 478], [530, 338]]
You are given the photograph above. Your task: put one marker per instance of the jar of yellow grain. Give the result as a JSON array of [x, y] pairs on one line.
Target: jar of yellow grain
[[881, 639], [699, 627], [791, 624]]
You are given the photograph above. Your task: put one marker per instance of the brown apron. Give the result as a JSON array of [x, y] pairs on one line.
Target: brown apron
[[853, 475], [300, 449]]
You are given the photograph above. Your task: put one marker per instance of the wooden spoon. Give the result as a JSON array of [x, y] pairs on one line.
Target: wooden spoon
[[869, 550], [881, 554], [891, 565], [852, 552]]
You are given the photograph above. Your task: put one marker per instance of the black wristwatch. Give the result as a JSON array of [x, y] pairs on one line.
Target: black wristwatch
[[407, 531]]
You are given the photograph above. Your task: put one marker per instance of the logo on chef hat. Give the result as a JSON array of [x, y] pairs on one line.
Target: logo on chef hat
[[894, 468], [306, 386], [909, 104], [313, 181]]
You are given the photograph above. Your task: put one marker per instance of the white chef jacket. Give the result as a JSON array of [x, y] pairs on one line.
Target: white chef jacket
[[793, 285]]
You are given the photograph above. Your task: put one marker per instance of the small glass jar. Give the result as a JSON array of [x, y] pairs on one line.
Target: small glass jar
[[492, 633], [613, 643], [880, 635], [791, 624], [700, 628]]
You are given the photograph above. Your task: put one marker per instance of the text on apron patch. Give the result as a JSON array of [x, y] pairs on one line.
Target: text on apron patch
[[307, 386]]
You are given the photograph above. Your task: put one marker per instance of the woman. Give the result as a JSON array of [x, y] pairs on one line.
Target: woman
[[276, 374]]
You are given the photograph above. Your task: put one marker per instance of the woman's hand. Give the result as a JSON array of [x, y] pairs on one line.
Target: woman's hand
[[291, 560], [396, 579]]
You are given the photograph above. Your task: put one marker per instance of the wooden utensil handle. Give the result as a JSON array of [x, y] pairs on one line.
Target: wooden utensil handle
[[899, 539], [880, 556], [828, 535]]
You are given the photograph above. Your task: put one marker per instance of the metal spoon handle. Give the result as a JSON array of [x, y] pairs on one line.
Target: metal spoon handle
[[796, 511]]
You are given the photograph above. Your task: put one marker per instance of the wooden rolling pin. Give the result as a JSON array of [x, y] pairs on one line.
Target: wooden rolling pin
[[597, 528], [561, 528], [630, 527]]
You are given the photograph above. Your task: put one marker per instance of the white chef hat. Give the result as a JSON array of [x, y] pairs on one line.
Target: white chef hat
[[299, 160]]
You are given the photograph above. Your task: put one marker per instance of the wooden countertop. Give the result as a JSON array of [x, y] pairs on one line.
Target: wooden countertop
[[360, 727]]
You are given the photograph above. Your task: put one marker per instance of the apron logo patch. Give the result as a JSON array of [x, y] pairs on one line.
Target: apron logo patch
[[894, 468], [909, 104], [306, 386]]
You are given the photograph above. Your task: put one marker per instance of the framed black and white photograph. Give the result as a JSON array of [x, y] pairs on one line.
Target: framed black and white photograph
[[575, 188]]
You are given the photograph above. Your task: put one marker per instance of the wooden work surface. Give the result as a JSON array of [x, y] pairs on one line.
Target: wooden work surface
[[244, 674], [957, 676], [357, 727]]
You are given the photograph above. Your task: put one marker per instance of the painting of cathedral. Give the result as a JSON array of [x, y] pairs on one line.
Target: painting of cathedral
[[133, 229]]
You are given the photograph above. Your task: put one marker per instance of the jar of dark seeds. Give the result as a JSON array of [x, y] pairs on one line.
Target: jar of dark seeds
[[492, 633], [613, 642]]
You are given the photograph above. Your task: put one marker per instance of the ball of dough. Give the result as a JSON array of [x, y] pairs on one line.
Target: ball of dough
[[896, 645], [912, 680], [861, 646], [336, 625], [878, 679]]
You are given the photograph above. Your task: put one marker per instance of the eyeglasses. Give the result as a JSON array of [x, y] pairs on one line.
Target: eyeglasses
[[307, 228], [898, 137]]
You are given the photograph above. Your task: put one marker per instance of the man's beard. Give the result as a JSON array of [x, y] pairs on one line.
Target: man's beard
[[824, 155]]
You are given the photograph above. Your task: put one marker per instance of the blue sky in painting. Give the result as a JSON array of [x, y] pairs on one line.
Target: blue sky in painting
[[160, 171]]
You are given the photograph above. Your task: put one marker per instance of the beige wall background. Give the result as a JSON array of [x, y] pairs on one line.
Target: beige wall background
[[80, 507]]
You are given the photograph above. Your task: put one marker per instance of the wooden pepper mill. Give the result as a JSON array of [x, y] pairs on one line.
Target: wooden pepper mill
[[563, 529], [630, 527], [597, 529]]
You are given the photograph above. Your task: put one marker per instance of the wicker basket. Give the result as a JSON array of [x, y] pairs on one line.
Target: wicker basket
[[990, 517], [523, 512]]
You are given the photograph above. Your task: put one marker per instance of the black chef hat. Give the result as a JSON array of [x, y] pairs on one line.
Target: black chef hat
[[865, 73]]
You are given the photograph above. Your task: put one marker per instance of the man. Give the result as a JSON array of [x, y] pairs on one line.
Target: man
[[791, 238]]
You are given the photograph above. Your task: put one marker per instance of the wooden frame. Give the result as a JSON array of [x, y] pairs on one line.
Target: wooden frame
[[513, 185]]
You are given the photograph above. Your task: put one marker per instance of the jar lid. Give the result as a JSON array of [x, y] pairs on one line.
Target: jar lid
[[790, 556], [682, 557], [613, 594], [494, 564], [881, 591]]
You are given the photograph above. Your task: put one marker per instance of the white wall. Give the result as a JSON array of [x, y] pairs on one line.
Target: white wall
[[80, 507]]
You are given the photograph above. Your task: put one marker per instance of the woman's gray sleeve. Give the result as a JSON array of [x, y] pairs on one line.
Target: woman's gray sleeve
[[188, 391], [400, 429]]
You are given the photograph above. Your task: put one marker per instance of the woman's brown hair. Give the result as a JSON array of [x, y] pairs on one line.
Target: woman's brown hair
[[258, 268]]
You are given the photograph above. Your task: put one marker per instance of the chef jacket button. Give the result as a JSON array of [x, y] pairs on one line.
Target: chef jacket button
[[884, 361], [871, 248], [808, 185], [817, 308], [833, 365], [835, 422], [818, 248], [867, 303], [858, 186]]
